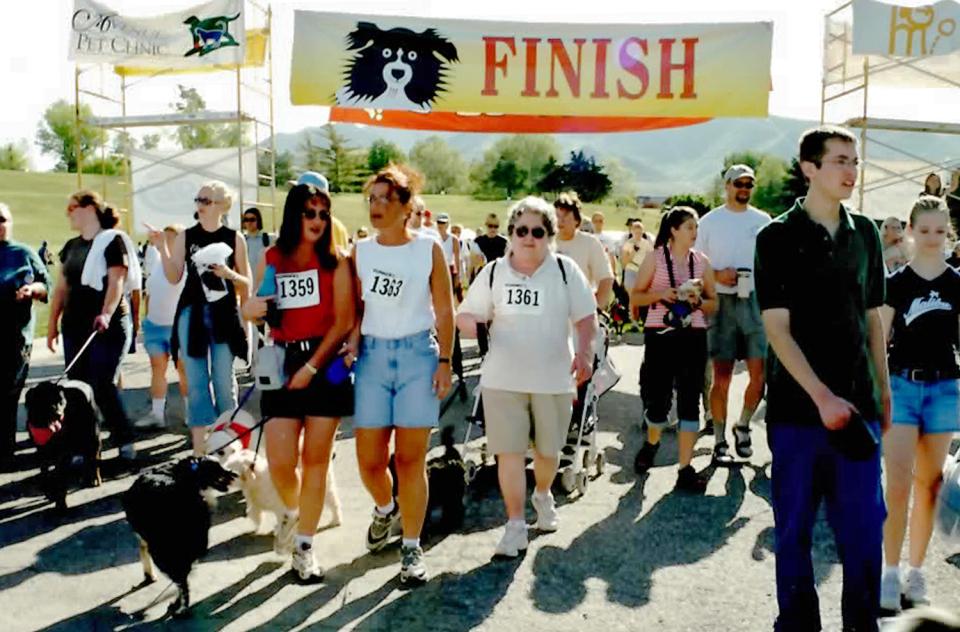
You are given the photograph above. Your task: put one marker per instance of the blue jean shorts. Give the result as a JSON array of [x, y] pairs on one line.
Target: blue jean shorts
[[393, 383], [156, 338], [933, 407]]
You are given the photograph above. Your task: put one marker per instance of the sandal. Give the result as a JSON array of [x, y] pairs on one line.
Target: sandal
[[721, 453], [742, 442]]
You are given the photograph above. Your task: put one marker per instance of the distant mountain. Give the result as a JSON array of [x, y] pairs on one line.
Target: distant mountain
[[664, 161]]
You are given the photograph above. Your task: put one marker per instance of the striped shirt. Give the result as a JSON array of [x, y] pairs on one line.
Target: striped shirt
[[681, 274]]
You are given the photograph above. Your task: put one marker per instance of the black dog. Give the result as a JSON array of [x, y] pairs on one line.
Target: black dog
[[396, 69], [63, 422], [167, 510]]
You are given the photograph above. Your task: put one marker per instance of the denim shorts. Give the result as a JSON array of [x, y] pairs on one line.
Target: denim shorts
[[933, 407], [736, 329], [156, 338], [393, 383]]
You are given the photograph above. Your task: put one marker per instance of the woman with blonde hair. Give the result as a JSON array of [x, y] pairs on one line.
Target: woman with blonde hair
[[207, 327]]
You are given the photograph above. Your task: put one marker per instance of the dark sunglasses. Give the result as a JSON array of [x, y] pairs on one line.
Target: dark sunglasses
[[3, 220], [249, 219], [538, 232], [202, 201], [493, 225], [743, 185], [309, 213]]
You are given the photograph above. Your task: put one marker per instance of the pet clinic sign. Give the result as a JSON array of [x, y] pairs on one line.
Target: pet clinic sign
[[210, 33], [423, 65]]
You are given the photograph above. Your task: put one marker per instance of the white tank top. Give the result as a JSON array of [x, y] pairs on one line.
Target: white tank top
[[395, 285], [447, 245]]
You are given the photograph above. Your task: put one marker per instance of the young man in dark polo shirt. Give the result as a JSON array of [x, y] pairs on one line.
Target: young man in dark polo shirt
[[820, 281]]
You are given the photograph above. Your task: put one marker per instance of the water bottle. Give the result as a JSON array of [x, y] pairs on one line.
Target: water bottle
[[338, 372], [268, 289]]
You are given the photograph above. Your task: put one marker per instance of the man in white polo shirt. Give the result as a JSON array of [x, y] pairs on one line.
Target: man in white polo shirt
[[585, 249], [728, 236]]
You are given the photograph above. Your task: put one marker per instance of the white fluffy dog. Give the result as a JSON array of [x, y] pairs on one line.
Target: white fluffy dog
[[253, 478]]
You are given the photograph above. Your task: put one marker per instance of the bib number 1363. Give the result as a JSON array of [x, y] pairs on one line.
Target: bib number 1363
[[385, 286], [298, 289]]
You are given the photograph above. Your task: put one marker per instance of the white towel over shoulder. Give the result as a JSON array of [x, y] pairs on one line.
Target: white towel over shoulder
[[95, 267]]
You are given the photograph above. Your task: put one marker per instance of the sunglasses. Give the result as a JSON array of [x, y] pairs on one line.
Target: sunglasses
[[538, 232], [743, 185], [493, 225], [202, 201], [249, 219], [3, 220], [312, 214]]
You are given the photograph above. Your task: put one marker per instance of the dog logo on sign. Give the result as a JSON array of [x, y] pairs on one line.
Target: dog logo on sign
[[210, 34], [397, 69], [914, 23]]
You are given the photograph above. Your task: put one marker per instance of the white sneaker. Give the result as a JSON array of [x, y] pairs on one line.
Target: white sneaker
[[547, 517], [915, 587], [890, 590], [150, 421], [514, 541], [305, 565], [284, 534]]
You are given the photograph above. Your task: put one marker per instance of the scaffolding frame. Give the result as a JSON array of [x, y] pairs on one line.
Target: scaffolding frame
[[873, 64], [250, 83]]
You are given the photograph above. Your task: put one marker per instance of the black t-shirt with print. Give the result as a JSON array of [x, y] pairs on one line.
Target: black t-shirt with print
[[924, 334], [492, 247], [82, 304]]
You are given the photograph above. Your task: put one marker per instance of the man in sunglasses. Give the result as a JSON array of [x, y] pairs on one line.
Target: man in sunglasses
[[728, 236]]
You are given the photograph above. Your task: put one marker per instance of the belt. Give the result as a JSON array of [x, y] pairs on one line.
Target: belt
[[307, 344], [928, 375]]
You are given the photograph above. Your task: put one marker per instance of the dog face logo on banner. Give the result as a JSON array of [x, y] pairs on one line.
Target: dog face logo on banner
[[397, 69], [210, 34]]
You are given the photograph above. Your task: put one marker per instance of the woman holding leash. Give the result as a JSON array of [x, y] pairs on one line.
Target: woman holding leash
[[207, 325], [315, 306], [402, 371], [921, 314], [97, 268], [531, 298], [675, 338]]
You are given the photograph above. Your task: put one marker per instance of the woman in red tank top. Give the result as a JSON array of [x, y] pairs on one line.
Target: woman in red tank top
[[315, 312]]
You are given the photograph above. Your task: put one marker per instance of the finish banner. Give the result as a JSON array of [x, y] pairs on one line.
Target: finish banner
[[206, 34], [887, 29], [564, 70]]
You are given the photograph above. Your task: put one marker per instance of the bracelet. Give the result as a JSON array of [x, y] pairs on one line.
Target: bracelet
[[310, 368], [443, 360]]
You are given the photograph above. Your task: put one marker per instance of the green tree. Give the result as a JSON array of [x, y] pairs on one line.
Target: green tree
[[442, 165], [149, 142], [58, 134], [283, 164], [581, 174], [506, 175], [381, 153], [342, 164], [695, 201], [13, 157], [793, 186], [529, 152], [768, 191], [204, 135]]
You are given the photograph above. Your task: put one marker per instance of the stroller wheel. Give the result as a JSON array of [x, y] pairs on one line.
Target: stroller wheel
[[568, 480], [582, 482], [600, 462]]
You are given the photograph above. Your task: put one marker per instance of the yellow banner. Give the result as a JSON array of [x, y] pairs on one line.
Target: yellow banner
[[423, 65], [254, 57]]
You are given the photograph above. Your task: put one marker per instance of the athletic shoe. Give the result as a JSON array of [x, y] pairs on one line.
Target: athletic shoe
[[284, 535], [514, 541], [149, 422], [305, 565], [721, 453], [128, 452], [547, 518], [382, 528], [890, 590], [412, 568], [689, 481], [915, 587], [742, 442], [645, 457]]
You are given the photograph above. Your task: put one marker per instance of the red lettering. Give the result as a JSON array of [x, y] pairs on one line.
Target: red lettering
[[667, 66], [600, 70], [491, 63], [530, 88], [635, 67], [558, 53]]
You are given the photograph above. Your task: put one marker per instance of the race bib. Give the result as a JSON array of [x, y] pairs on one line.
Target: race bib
[[384, 287], [298, 289], [521, 299]]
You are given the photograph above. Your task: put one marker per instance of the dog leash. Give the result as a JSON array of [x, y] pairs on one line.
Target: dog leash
[[77, 357], [233, 415]]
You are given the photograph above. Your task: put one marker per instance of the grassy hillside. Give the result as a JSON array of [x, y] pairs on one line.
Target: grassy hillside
[[38, 202]]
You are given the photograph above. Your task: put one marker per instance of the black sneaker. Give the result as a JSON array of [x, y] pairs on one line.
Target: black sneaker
[[645, 457], [689, 481]]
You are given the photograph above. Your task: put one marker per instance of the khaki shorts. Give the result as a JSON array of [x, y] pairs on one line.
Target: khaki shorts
[[507, 416]]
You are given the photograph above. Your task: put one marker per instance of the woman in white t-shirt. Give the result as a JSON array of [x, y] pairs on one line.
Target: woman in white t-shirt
[[162, 298], [529, 299]]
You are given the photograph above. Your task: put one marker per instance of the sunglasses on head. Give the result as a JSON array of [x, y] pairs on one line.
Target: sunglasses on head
[[538, 232], [202, 201], [309, 213], [743, 185]]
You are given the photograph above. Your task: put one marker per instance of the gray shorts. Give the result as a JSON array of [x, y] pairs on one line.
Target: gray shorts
[[736, 329]]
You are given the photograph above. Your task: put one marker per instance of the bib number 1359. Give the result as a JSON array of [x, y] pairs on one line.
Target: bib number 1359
[[298, 289]]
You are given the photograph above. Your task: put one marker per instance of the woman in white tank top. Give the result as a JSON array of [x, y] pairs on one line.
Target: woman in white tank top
[[401, 371]]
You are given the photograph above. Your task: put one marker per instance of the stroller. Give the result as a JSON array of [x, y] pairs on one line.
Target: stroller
[[580, 453]]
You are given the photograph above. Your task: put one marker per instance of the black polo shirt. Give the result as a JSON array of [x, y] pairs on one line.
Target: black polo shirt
[[828, 284]]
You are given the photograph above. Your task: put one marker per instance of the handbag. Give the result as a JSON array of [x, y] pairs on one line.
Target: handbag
[[269, 370]]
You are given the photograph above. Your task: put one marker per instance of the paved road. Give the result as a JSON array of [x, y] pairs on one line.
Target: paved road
[[630, 554]]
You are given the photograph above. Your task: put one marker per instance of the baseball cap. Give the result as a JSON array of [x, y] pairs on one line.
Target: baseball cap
[[443, 218], [315, 179], [738, 171]]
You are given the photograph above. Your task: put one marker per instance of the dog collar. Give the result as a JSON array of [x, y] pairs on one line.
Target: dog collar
[[41, 436]]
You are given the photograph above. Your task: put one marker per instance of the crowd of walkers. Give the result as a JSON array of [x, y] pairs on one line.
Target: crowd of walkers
[[850, 335]]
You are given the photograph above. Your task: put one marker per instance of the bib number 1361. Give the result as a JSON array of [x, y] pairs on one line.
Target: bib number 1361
[[517, 296]]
